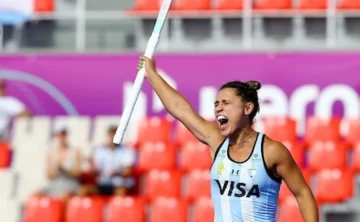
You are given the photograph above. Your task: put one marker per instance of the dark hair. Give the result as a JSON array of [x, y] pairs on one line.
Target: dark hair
[[248, 92]]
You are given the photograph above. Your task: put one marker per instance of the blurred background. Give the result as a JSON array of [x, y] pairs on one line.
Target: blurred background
[[66, 71]]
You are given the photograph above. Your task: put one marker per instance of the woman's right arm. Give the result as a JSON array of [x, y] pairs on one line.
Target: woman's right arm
[[205, 131]]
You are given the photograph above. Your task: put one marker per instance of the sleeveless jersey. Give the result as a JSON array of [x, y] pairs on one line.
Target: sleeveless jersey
[[243, 191]]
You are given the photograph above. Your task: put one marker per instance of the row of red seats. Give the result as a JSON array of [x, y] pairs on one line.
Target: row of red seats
[[203, 5], [129, 209], [195, 155], [136, 209], [332, 185], [317, 129], [289, 211], [283, 129], [158, 155]]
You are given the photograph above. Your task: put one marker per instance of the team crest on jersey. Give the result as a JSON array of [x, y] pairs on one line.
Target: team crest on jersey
[[251, 172], [220, 168]]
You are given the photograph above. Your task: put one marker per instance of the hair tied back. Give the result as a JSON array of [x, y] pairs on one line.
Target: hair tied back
[[254, 85]]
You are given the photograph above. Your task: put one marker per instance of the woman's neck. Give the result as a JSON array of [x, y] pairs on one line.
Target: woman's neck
[[242, 135]]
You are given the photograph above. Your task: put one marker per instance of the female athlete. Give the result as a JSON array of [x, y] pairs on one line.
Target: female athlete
[[248, 167]]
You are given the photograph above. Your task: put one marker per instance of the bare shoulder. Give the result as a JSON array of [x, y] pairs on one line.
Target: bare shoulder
[[215, 138], [275, 151]]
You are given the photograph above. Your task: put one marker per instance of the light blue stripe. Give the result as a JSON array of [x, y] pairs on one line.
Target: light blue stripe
[[216, 197], [261, 214], [159, 25], [214, 190], [161, 19], [11, 17], [235, 202], [216, 202], [258, 166]]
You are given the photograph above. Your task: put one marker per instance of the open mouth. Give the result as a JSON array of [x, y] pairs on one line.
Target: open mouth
[[222, 120]]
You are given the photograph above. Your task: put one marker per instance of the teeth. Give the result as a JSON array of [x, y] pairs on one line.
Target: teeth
[[221, 118]]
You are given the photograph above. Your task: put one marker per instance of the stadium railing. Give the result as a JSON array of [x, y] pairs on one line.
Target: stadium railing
[[81, 17]]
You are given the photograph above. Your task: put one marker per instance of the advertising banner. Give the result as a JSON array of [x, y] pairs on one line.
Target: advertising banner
[[294, 84]]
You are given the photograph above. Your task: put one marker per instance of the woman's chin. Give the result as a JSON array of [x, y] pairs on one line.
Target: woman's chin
[[225, 129]]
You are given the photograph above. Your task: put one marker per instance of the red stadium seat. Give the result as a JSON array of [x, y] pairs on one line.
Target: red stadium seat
[[273, 4], [297, 151], [169, 209], [85, 209], [353, 134], [289, 211], [162, 183], [349, 4], [147, 5], [203, 210], [307, 175], [198, 184], [5, 155], [154, 129], [157, 155], [43, 209], [334, 185], [318, 129], [191, 5], [356, 158], [334, 153], [44, 5], [129, 209], [313, 4], [195, 155], [229, 5], [183, 135], [279, 128]]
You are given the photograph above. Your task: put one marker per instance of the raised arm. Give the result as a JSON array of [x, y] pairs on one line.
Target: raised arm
[[205, 131]]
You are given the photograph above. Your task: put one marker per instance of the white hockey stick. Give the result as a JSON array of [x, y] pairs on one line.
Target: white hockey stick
[[150, 49]]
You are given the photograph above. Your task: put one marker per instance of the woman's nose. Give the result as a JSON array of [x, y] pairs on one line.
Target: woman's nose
[[218, 108]]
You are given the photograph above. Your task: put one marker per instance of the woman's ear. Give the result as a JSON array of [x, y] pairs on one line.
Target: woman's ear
[[249, 108]]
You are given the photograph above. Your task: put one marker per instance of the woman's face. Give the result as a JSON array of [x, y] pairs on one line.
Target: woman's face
[[231, 111]]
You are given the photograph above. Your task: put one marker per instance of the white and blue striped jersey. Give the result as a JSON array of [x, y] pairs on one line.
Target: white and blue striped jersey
[[243, 191]]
